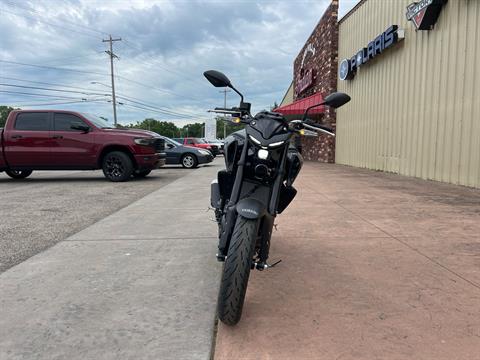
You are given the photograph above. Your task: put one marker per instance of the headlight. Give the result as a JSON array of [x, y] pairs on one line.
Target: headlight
[[144, 141], [278, 143], [262, 154], [255, 141], [204, 152]]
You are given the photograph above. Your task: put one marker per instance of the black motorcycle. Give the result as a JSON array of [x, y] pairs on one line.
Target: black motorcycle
[[256, 185]]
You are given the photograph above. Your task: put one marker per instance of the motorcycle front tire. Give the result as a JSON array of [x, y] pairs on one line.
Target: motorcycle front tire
[[236, 271]]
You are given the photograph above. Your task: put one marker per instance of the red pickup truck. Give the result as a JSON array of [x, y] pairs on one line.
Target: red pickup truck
[[198, 143], [67, 140]]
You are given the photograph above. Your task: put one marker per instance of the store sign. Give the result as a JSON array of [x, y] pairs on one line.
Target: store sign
[[305, 82], [424, 13], [309, 49], [211, 129], [348, 67]]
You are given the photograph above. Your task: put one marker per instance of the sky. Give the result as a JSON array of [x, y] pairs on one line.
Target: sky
[[165, 46]]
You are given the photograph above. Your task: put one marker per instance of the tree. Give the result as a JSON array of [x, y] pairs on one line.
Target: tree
[[4, 111], [274, 106], [193, 130], [164, 128], [229, 127]]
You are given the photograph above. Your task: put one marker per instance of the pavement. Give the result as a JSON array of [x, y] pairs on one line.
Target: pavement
[[49, 206], [139, 284], [375, 266]]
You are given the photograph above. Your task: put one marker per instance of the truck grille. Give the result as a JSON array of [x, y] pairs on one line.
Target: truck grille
[[159, 145]]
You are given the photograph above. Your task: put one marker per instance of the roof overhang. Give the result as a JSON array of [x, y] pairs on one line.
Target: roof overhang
[[298, 107]]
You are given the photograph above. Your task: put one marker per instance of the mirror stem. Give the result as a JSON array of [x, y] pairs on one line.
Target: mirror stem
[[309, 108], [238, 92]]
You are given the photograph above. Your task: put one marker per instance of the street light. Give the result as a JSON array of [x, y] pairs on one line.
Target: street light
[[99, 83], [114, 103]]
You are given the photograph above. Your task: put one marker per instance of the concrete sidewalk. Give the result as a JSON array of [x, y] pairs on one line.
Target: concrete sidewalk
[[375, 266], [140, 284]]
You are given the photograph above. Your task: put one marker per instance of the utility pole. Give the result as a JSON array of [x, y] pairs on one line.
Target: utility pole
[[225, 91], [112, 55]]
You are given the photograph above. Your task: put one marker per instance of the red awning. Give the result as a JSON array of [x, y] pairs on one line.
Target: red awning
[[298, 107]]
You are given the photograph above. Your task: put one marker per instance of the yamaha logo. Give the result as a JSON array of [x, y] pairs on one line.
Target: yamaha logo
[[424, 13]]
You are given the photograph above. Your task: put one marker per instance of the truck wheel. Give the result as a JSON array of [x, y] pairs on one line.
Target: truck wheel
[[117, 166], [189, 161], [18, 174], [141, 173]]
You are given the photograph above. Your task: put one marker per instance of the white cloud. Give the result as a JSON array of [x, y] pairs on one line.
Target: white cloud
[[166, 45]]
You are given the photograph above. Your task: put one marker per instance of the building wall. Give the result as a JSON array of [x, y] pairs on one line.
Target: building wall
[[415, 108], [324, 40], [288, 97]]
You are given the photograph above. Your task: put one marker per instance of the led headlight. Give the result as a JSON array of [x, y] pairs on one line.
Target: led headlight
[[278, 143], [255, 141], [144, 141], [262, 154]]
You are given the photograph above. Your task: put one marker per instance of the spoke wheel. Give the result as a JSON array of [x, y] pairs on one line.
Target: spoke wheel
[[117, 166], [189, 161]]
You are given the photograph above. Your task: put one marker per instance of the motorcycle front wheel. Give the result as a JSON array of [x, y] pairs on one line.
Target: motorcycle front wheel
[[236, 271]]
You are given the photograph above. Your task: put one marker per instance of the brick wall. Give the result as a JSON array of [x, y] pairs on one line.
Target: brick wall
[[323, 62]]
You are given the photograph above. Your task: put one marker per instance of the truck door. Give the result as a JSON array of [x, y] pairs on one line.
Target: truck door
[[28, 140], [72, 148]]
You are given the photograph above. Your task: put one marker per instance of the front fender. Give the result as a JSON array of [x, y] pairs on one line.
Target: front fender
[[251, 208]]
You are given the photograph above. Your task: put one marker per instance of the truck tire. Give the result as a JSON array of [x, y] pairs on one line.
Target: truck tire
[[189, 161], [117, 166], [141, 173], [18, 174], [236, 271]]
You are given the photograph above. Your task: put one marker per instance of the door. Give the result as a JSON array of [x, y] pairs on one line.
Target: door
[[28, 140], [72, 149], [173, 153]]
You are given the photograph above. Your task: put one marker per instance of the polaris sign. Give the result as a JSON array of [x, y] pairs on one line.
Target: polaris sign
[[348, 67]]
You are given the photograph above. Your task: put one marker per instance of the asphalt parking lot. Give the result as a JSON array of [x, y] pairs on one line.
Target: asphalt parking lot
[[47, 207]]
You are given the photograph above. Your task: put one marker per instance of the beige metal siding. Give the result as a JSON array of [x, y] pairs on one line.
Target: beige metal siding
[[415, 109], [288, 97]]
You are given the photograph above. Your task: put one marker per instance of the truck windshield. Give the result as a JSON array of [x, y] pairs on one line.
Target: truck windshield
[[98, 122]]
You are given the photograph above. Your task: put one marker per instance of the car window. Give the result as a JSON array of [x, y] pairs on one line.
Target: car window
[[64, 122], [32, 121], [190, 141]]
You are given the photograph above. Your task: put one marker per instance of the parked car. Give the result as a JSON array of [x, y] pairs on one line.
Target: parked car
[[198, 143], [61, 140], [188, 156], [216, 142]]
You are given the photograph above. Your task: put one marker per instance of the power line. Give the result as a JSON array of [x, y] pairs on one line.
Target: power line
[[51, 89], [43, 14], [54, 68], [98, 73], [66, 102], [89, 92], [51, 24], [37, 95]]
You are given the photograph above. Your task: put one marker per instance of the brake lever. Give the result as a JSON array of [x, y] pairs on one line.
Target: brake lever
[[314, 128]]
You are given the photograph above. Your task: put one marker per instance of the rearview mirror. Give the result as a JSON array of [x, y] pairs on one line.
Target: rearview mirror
[[336, 99], [80, 127], [217, 79]]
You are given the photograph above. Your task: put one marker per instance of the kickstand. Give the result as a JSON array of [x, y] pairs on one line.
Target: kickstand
[[275, 263]]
